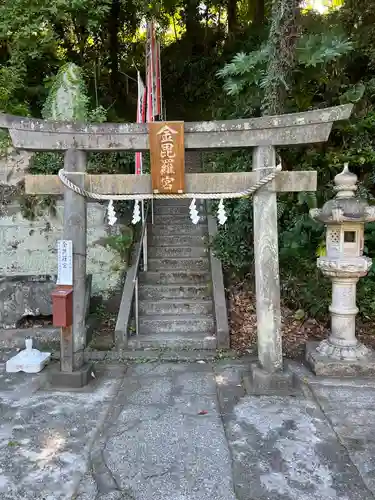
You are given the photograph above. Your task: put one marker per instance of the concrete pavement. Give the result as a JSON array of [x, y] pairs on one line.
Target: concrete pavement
[[185, 431]]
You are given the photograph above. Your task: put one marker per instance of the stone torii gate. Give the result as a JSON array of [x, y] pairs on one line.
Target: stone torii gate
[[262, 134]]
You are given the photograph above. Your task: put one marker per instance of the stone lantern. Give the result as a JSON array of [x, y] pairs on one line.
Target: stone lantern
[[344, 263]]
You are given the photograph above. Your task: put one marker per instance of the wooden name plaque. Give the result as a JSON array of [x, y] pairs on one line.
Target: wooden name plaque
[[167, 154]]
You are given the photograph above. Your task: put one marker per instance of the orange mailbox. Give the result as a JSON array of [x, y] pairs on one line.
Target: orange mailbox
[[62, 307]]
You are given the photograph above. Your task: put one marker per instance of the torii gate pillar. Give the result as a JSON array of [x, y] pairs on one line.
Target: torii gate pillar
[[75, 229], [267, 279]]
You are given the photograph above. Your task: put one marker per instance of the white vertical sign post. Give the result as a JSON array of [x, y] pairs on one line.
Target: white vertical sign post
[[65, 262], [65, 278]]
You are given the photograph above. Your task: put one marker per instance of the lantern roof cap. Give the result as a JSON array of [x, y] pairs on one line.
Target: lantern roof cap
[[345, 207], [345, 183]]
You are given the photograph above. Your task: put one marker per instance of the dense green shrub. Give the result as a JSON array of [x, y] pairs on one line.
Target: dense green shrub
[[322, 77]]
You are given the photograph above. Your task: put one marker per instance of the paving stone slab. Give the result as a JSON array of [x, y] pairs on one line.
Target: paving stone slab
[[351, 412], [283, 448], [45, 435], [172, 451]]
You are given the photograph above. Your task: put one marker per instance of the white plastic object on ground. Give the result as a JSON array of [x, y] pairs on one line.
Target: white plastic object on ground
[[29, 360]]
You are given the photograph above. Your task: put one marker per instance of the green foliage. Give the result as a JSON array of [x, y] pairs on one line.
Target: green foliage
[[11, 84], [322, 48], [97, 115], [46, 163], [248, 70], [67, 99], [122, 245], [73, 105], [245, 70], [303, 286], [324, 75], [33, 207]]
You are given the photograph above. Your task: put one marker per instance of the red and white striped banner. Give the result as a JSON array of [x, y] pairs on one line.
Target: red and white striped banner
[[149, 102], [154, 98], [141, 117]]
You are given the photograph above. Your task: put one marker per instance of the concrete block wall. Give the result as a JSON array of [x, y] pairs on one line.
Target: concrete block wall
[[29, 247], [13, 166]]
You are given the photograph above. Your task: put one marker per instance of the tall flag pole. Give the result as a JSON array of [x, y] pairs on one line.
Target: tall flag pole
[[154, 106], [149, 110], [159, 97], [141, 118], [149, 102], [153, 81]]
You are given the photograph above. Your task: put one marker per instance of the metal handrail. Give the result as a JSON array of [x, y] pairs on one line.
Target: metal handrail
[[142, 240], [130, 291], [142, 249]]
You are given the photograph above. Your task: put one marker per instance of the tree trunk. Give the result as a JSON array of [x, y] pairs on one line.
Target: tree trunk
[[191, 18], [232, 16], [113, 27], [282, 42], [174, 27], [259, 12]]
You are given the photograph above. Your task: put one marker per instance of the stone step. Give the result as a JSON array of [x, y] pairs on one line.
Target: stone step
[[177, 219], [175, 324], [188, 264], [182, 210], [183, 202], [177, 240], [173, 340], [189, 229], [163, 292], [174, 277], [177, 252], [175, 306]]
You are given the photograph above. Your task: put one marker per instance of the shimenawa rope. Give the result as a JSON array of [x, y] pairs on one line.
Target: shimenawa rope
[[203, 196]]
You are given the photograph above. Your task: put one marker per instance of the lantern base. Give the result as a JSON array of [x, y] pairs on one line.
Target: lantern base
[[356, 351], [327, 363]]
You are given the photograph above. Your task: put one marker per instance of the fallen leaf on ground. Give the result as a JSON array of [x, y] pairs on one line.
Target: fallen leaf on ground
[[296, 330]]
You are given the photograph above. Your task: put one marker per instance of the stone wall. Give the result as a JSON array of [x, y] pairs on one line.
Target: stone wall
[[28, 253], [29, 247], [13, 166]]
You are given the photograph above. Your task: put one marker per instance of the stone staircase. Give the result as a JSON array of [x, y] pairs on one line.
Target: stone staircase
[[175, 293]]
